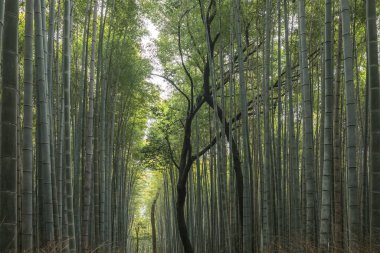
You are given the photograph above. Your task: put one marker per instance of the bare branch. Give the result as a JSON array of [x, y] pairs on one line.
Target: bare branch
[[204, 150], [182, 61], [174, 85], [193, 43], [211, 12], [171, 152]]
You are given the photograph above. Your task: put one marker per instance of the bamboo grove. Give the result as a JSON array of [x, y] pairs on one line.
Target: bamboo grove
[[74, 106], [268, 139]]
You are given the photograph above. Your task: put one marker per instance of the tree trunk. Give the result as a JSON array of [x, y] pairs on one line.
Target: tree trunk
[[247, 205], [293, 150], [352, 182], [325, 227], [43, 131], [67, 120], [87, 177], [184, 168], [374, 94], [8, 177], [153, 223], [2, 7], [307, 129], [268, 166], [27, 183]]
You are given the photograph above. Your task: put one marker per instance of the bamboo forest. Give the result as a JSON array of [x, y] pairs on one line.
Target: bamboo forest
[[189, 126]]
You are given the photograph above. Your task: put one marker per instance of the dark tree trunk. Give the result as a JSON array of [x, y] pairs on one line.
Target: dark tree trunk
[[8, 183], [153, 223], [184, 167]]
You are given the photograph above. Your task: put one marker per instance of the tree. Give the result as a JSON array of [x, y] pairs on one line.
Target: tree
[[8, 177], [153, 222], [27, 184], [267, 134], [257, 146], [373, 80], [247, 205], [294, 181], [338, 191], [353, 205], [67, 121], [45, 190], [308, 152], [87, 178], [2, 7], [325, 228]]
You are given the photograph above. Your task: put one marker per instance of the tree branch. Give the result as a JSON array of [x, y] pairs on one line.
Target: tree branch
[[193, 43], [204, 150], [174, 85], [171, 153], [182, 61]]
